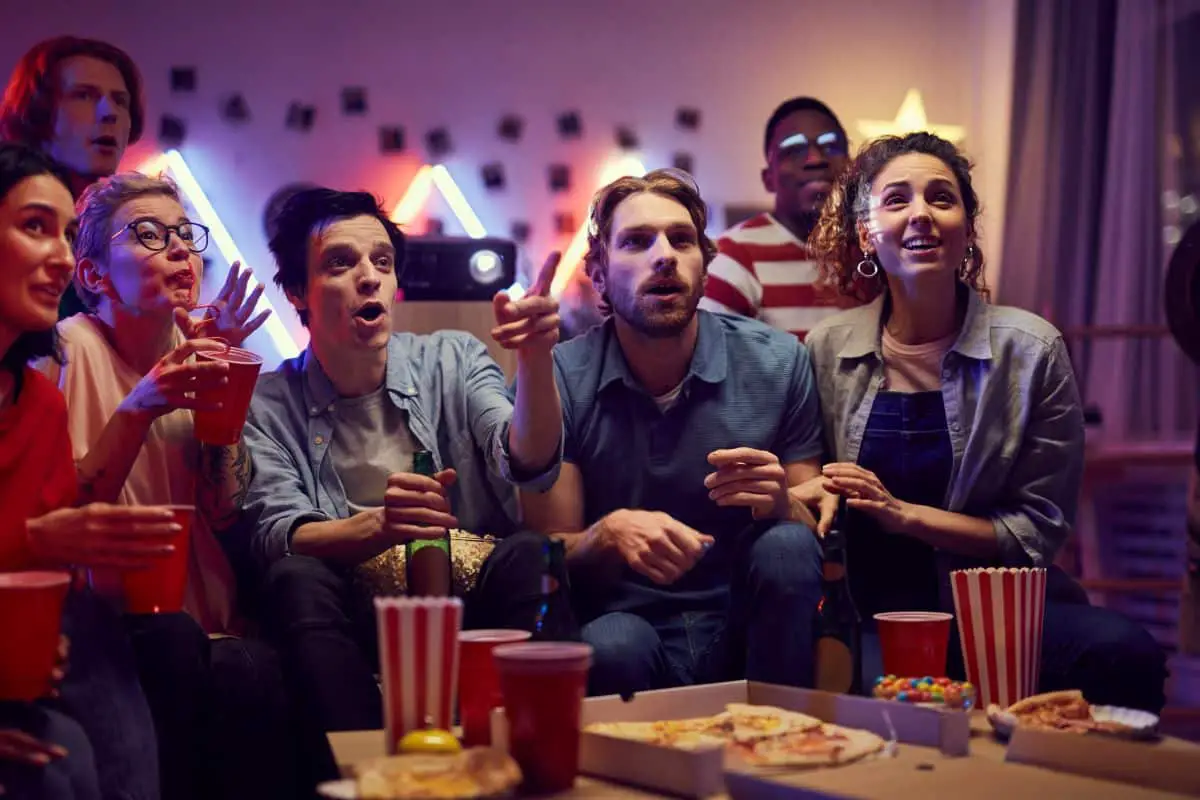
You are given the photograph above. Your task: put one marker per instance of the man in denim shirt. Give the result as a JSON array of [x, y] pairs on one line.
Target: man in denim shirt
[[683, 432], [333, 433]]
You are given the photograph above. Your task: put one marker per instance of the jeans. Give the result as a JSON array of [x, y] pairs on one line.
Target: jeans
[[325, 633], [102, 693], [72, 777], [219, 708], [1108, 657], [764, 632]]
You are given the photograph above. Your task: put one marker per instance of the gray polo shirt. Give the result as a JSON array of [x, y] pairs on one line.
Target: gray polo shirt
[[748, 385]]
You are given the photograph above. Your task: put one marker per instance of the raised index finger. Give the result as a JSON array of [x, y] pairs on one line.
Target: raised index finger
[[230, 279], [545, 277]]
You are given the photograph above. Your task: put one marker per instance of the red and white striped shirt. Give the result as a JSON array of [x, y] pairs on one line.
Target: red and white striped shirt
[[763, 271]]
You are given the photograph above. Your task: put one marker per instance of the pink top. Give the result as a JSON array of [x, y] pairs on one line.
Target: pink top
[[94, 381], [913, 368]]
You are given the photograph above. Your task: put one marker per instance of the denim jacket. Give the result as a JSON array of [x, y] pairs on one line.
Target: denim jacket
[[458, 407], [1012, 407]]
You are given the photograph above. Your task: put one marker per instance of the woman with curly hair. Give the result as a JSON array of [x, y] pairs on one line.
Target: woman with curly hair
[[955, 425]]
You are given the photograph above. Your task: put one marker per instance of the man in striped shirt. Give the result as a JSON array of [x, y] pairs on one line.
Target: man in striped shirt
[[763, 268]]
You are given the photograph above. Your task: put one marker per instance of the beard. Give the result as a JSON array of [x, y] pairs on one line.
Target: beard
[[650, 317]]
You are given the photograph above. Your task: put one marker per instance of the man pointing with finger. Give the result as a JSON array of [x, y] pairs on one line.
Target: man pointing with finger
[[683, 432], [333, 434]]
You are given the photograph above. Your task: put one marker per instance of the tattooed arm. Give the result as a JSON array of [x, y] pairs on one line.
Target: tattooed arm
[[223, 481]]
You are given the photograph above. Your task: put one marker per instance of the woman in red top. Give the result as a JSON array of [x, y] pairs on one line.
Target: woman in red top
[[44, 753]]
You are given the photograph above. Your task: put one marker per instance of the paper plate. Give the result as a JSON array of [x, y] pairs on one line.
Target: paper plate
[[1140, 724]]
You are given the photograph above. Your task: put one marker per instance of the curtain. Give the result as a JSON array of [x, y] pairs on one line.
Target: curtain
[[1094, 99]]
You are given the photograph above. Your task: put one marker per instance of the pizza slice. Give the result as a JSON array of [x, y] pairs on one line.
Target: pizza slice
[[1062, 711], [824, 746], [750, 722], [684, 734]]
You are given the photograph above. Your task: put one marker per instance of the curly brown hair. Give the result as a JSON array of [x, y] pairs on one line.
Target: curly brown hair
[[669, 182], [835, 242]]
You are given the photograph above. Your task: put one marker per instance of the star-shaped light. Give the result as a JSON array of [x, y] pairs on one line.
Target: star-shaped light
[[910, 118]]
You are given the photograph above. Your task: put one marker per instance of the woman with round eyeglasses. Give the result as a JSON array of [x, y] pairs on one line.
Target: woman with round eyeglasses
[[955, 425], [131, 383]]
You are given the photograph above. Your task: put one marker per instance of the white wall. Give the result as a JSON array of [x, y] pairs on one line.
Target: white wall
[[464, 63]]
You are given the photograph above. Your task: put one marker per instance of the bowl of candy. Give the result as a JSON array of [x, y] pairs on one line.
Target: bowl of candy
[[926, 691]]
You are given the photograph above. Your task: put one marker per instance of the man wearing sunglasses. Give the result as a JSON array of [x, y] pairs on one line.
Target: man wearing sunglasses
[[763, 268]]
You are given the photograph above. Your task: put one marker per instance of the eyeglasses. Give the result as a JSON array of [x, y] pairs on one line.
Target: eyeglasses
[[830, 143], [154, 236]]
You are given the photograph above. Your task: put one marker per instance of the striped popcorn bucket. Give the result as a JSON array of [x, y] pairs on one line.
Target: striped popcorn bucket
[[1000, 614], [418, 660]]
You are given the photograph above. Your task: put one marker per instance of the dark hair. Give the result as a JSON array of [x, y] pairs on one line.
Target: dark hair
[[27, 111], [670, 182], [18, 162], [789, 107], [304, 211], [276, 201], [835, 242]]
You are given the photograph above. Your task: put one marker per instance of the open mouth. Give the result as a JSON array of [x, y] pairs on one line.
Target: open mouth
[[105, 141], [184, 278], [370, 312], [921, 244], [664, 289]]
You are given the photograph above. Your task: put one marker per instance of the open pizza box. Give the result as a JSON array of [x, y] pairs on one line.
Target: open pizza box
[[702, 773]]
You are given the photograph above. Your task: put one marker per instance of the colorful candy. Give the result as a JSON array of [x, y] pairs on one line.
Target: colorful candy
[[938, 691]]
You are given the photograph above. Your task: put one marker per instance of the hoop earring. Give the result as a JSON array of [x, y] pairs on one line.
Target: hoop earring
[[862, 271]]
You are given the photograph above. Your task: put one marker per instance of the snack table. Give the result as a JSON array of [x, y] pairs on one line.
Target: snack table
[[916, 772]]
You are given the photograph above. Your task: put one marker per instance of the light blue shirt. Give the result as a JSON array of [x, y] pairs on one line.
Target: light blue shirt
[[457, 405], [1012, 408]]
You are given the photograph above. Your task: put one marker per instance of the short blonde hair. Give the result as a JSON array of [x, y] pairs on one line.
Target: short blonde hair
[[96, 209]]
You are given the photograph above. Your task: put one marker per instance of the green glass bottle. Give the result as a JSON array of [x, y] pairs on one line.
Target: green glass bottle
[[427, 561]]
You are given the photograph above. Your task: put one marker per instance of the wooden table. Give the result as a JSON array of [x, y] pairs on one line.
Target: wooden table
[[984, 774]]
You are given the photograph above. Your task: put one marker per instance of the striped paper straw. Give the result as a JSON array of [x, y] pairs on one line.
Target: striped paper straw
[[418, 660], [1000, 614]]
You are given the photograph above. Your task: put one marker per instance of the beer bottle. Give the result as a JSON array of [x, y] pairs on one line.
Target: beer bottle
[[555, 620], [427, 563], [838, 625]]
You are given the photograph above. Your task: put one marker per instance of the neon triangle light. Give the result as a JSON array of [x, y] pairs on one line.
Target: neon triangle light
[[172, 162], [572, 257], [432, 176]]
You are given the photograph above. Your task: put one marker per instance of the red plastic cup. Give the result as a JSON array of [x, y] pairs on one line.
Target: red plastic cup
[[224, 426], [478, 682], [914, 643], [543, 684], [158, 589], [31, 606]]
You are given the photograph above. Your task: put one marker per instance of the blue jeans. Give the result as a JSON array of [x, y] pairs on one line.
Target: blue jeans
[[102, 693], [763, 631], [72, 777]]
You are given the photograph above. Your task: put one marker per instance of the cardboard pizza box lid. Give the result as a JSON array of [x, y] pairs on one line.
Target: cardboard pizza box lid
[[1168, 765]]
